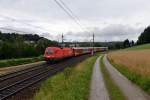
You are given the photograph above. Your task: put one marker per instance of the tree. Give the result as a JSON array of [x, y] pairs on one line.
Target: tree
[[132, 43], [13, 45], [43, 43], [126, 43], [145, 36], [117, 46]]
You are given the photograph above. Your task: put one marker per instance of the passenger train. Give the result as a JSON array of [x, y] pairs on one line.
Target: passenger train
[[53, 54]]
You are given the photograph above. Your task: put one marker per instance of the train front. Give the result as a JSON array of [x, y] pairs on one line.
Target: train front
[[52, 54]]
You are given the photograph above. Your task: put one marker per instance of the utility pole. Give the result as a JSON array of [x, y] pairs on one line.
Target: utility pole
[[62, 42], [93, 40], [93, 45]]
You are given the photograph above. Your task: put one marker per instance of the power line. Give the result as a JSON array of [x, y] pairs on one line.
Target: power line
[[64, 7], [71, 14], [13, 19], [62, 38], [77, 18], [69, 10]]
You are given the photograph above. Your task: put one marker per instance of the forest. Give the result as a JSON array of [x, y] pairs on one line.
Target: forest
[[14, 45]]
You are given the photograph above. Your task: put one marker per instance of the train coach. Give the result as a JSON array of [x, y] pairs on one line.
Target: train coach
[[53, 54]]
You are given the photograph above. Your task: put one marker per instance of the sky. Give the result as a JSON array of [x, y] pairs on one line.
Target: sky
[[109, 20]]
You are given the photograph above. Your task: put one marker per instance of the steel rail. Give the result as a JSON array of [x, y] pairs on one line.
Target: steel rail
[[21, 72], [10, 90]]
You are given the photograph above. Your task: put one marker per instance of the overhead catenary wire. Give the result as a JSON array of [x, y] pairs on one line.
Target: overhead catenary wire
[[14, 20], [74, 16], [71, 15], [69, 10], [77, 18]]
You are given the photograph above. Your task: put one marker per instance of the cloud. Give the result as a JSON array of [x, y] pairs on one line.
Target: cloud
[[47, 35], [114, 32], [110, 20]]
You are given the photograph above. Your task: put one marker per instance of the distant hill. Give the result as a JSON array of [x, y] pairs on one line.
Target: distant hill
[[140, 47], [15, 36]]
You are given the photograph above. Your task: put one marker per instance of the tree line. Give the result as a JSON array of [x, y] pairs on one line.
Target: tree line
[[144, 37], [14, 45]]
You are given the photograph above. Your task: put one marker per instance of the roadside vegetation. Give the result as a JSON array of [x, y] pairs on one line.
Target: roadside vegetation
[[19, 61], [113, 90], [134, 63], [71, 84]]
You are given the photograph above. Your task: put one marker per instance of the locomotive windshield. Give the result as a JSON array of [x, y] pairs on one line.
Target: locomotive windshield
[[49, 51]]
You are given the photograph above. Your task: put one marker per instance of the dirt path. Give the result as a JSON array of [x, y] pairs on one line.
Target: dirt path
[[98, 90], [130, 90]]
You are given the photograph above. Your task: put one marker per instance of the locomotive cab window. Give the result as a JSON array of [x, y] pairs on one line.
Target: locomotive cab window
[[49, 51]]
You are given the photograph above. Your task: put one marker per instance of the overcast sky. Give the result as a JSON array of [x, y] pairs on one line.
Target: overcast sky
[[109, 20]]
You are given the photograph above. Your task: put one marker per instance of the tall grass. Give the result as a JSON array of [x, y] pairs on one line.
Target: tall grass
[[71, 84], [135, 65]]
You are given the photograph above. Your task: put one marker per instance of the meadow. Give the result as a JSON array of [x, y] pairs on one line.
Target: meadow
[[140, 47], [134, 63]]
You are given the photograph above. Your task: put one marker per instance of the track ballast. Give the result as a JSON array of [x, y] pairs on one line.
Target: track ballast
[[13, 83]]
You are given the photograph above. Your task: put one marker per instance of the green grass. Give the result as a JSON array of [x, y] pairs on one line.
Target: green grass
[[113, 90], [13, 62], [140, 47], [142, 81], [71, 84]]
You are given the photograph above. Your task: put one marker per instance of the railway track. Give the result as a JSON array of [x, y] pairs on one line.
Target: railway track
[[17, 73], [12, 83]]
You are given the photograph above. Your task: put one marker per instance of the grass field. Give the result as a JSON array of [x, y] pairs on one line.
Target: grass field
[[71, 84], [140, 47], [134, 63], [113, 90], [14, 62]]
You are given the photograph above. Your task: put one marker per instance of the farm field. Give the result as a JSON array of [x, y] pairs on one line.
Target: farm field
[[134, 63], [71, 84]]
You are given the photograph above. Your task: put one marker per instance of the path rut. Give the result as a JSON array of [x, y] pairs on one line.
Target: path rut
[[98, 90]]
